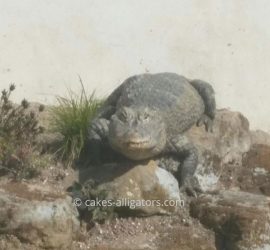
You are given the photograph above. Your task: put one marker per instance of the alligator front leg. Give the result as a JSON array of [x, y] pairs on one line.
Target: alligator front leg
[[187, 153]]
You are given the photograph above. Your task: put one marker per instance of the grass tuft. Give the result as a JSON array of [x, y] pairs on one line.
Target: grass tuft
[[70, 117]]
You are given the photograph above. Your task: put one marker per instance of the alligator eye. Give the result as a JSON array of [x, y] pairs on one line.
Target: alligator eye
[[123, 116], [145, 116]]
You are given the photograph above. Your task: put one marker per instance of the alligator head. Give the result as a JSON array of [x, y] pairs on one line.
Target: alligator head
[[137, 133]]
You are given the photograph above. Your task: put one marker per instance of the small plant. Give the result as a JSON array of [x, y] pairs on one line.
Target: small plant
[[18, 131], [99, 212], [70, 117]]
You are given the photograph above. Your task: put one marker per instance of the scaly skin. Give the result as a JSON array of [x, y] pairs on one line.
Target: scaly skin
[[147, 115]]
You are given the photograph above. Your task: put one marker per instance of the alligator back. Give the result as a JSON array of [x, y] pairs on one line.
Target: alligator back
[[169, 94]]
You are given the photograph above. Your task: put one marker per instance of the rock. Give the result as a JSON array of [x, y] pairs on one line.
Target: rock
[[231, 137], [257, 161], [229, 141], [260, 137], [145, 189], [241, 220], [187, 239], [45, 220], [258, 158], [208, 170], [265, 189], [232, 132], [253, 175], [233, 157]]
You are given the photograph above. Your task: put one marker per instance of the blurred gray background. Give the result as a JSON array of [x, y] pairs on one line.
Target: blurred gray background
[[44, 45]]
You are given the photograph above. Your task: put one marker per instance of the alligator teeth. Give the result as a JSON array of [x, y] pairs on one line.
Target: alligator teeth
[[138, 143]]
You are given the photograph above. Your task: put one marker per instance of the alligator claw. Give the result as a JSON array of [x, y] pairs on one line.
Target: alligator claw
[[207, 122], [191, 187]]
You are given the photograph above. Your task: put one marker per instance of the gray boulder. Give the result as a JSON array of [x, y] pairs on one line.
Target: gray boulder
[[44, 220], [142, 189], [260, 137], [229, 141], [241, 220]]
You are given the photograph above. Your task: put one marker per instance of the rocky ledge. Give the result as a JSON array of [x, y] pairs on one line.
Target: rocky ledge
[[232, 214]]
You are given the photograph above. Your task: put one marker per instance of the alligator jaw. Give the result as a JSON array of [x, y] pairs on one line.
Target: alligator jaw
[[137, 144]]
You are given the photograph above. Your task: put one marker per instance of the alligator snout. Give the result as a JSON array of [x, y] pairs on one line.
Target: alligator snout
[[137, 144]]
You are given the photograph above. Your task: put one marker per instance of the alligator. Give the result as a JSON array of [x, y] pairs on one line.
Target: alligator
[[148, 114]]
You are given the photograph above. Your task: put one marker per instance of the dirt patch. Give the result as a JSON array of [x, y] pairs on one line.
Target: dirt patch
[[23, 191], [155, 232]]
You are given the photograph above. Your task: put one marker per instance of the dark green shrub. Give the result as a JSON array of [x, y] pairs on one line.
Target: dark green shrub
[[18, 131], [98, 212]]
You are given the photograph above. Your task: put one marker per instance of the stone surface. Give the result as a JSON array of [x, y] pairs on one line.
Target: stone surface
[[141, 185], [209, 169], [260, 137], [42, 219], [228, 142], [241, 220], [252, 175], [257, 160], [230, 139], [232, 158]]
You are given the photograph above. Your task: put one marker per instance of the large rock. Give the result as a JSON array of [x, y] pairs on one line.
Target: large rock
[[241, 220], [226, 145], [43, 219], [144, 189], [231, 137], [260, 137], [256, 162], [209, 169], [252, 175]]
